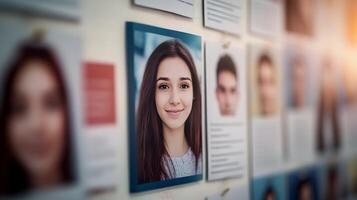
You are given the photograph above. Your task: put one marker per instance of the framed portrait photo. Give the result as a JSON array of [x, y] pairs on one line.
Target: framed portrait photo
[[165, 107]]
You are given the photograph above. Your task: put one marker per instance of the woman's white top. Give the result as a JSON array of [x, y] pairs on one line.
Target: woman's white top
[[184, 165]]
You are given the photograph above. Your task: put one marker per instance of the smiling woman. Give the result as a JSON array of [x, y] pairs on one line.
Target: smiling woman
[[169, 116]]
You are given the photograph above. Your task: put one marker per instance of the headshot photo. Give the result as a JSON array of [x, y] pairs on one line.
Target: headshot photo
[[270, 187], [303, 184], [226, 110], [168, 119], [35, 140], [227, 86], [328, 122], [298, 73], [299, 84], [267, 85], [299, 16]]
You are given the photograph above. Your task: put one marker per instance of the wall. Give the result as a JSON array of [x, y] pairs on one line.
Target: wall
[[102, 27]]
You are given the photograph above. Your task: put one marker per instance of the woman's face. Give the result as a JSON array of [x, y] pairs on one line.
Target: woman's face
[[37, 119], [174, 92]]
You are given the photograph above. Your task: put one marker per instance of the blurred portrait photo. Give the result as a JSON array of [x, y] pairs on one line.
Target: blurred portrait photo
[[36, 146], [299, 16], [297, 79], [267, 87]]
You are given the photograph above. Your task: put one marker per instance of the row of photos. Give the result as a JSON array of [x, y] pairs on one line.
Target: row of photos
[[166, 76]]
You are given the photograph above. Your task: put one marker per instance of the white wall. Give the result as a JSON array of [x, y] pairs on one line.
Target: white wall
[[102, 26]]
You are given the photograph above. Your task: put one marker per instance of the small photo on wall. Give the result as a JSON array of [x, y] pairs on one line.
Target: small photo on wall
[[304, 184], [299, 16], [40, 113], [299, 78], [165, 106], [272, 187], [300, 96], [265, 108], [265, 81], [226, 111], [225, 80]]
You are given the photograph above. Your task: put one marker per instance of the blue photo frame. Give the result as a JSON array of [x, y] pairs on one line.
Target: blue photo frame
[[137, 34], [275, 184], [304, 176]]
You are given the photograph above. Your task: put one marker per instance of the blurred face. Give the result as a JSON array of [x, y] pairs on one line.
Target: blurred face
[[267, 90], [328, 87], [298, 84], [270, 196], [227, 93], [174, 92], [305, 192], [36, 121], [306, 8]]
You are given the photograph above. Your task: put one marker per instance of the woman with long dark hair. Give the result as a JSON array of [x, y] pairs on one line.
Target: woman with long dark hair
[[169, 116], [34, 123]]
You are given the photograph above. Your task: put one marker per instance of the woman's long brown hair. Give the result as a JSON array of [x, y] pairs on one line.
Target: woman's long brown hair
[[150, 141], [14, 177]]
